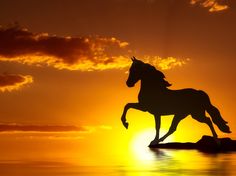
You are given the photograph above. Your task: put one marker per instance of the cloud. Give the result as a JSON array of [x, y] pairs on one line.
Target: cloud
[[165, 63], [9, 82], [52, 132], [9, 127], [211, 5], [98, 128], [72, 53], [41, 128], [105, 127]]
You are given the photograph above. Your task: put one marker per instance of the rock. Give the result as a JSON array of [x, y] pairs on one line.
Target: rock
[[209, 144], [205, 144]]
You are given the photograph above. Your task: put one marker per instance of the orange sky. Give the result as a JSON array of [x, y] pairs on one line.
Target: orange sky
[[66, 64]]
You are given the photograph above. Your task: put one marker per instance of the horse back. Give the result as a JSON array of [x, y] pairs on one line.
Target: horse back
[[176, 101]]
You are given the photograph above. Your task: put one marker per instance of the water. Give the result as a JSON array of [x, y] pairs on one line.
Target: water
[[100, 154], [157, 162]]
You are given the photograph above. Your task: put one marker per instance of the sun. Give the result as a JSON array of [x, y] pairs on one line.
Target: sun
[[141, 140]]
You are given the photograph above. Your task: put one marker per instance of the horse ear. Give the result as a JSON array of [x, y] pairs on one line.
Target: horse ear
[[133, 58]]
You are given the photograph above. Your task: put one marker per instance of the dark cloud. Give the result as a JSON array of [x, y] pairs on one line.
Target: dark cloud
[[9, 82], [40, 128], [74, 53]]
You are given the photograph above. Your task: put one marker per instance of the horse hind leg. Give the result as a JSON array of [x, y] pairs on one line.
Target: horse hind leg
[[204, 119], [177, 118]]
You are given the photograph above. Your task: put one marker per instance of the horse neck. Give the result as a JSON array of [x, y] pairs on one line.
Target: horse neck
[[150, 85]]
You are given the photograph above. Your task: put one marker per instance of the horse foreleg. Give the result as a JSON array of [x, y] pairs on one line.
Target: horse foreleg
[[126, 108], [158, 125], [173, 127]]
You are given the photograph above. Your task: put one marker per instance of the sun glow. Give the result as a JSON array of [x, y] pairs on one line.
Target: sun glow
[[140, 142]]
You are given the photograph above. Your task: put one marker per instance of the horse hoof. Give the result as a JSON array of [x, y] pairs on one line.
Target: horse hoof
[[152, 146], [126, 125], [153, 143]]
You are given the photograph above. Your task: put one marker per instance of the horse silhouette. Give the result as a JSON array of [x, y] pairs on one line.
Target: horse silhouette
[[155, 98]]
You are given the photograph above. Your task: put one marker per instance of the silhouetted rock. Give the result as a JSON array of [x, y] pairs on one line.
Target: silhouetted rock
[[205, 144]]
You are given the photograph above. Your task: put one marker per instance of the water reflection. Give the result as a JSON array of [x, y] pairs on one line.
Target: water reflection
[[71, 159], [142, 160], [160, 162], [184, 162]]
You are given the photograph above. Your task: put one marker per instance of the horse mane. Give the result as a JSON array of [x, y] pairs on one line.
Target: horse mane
[[157, 75]]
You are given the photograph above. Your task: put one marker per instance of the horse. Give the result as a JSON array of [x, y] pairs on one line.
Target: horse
[[156, 98]]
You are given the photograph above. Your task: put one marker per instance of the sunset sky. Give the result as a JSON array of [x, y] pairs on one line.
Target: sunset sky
[[63, 64]]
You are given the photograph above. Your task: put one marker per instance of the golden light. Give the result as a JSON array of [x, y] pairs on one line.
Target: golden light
[[139, 144]]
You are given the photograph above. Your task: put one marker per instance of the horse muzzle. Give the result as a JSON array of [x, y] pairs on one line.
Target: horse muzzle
[[130, 84]]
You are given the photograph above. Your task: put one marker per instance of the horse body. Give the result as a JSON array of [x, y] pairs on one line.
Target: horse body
[[167, 102], [157, 99], [185, 101], [163, 101]]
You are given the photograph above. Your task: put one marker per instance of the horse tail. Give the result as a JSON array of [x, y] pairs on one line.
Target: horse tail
[[215, 114]]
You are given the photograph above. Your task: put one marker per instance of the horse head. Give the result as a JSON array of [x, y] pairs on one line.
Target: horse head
[[135, 72], [140, 70]]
